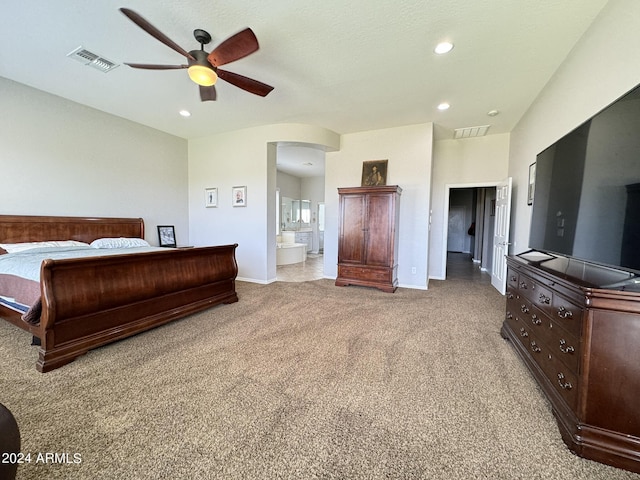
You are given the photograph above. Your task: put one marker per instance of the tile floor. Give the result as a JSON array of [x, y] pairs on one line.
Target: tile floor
[[311, 269], [460, 266]]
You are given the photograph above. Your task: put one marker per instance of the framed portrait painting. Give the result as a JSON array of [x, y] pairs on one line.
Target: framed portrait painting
[[239, 196], [374, 173]]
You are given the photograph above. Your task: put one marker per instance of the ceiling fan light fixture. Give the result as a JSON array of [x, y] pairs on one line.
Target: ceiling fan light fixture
[[200, 70], [202, 67], [202, 75]]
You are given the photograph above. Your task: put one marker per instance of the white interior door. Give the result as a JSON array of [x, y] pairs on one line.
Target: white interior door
[[501, 235]]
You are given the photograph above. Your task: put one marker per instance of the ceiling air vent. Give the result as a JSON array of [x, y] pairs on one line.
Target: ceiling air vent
[[92, 60], [469, 132]]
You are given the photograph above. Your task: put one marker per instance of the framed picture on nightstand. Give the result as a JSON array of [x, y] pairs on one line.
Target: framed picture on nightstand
[[167, 235]]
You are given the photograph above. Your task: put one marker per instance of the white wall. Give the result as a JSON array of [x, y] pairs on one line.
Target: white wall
[[289, 185], [465, 162], [247, 158], [409, 151], [313, 189], [61, 158], [601, 68]]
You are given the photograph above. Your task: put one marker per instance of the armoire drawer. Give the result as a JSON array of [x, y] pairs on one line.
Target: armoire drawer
[[365, 273]]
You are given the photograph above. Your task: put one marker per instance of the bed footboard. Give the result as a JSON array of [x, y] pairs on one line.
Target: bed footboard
[[89, 302]]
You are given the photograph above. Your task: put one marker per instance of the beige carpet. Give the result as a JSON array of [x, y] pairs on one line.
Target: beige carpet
[[298, 381]]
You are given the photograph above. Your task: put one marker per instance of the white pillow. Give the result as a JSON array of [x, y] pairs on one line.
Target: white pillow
[[121, 242], [21, 247]]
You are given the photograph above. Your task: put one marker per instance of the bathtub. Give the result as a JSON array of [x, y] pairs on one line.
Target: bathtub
[[288, 253]]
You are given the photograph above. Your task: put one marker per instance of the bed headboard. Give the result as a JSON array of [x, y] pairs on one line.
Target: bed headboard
[[29, 228]]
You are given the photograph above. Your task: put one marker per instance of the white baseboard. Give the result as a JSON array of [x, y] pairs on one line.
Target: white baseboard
[[413, 287], [253, 280]]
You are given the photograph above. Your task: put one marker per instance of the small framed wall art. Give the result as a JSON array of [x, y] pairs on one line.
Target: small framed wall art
[[239, 196], [210, 197], [374, 173], [532, 184], [167, 235]]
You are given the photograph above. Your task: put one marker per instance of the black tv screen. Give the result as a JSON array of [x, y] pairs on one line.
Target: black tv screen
[[587, 190]]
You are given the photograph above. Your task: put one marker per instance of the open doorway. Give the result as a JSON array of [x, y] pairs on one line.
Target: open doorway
[[471, 211], [299, 212]]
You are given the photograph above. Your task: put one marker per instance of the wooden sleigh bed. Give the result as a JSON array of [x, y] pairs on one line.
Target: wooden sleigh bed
[[89, 302]]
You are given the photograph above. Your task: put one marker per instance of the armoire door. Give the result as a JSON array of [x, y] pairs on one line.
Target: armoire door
[[352, 233], [379, 230]]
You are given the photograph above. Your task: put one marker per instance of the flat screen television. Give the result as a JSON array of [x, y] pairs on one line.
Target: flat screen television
[[587, 191]]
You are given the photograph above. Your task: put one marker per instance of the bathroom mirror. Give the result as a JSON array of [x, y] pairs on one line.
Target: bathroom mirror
[[294, 214]]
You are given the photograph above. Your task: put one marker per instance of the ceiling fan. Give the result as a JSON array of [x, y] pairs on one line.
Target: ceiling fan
[[202, 66]]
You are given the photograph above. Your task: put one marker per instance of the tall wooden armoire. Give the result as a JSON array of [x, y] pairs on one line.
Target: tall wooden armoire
[[368, 237]]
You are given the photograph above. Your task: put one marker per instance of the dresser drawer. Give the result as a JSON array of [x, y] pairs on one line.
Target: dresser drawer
[[560, 342], [567, 314], [565, 347], [537, 293], [535, 348], [536, 320], [563, 380], [513, 318]]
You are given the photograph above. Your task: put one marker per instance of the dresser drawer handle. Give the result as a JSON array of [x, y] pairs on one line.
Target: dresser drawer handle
[[524, 308], [564, 348], [564, 385], [564, 313], [544, 299], [523, 333], [535, 347], [513, 278], [535, 319], [510, 295], [509, 315], [523, 285]]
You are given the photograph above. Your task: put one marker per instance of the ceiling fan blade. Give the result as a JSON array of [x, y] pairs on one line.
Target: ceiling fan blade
[[245, 83], [154, 32], [234, 48], [156, 67], [207, 93]]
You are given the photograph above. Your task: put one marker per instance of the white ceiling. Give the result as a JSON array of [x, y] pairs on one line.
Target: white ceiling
[[346, 66], [300, 160]]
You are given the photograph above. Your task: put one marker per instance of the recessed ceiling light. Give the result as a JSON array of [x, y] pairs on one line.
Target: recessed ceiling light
[[443, 106], [443, 47], [493, 113], [185, 113]]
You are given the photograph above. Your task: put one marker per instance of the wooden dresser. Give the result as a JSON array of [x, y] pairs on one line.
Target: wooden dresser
[[368, 237], [582, 345]]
